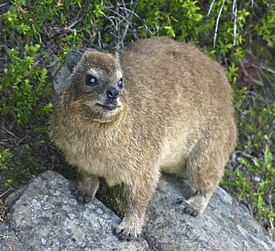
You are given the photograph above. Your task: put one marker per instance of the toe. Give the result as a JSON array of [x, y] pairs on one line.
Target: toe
[[179, 201], [130, 237], [191, 211], [124, 233]]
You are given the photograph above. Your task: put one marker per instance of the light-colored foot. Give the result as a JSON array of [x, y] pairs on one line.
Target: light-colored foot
[[196, 204], [129, 228]]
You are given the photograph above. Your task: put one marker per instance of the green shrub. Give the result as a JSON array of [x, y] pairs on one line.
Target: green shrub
[[254, 183], [28, 17], [189, 21], [4, 155], [265, 26], [23, 87]]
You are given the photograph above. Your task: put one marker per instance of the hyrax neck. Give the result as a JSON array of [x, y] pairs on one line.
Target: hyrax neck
[[94, 146]]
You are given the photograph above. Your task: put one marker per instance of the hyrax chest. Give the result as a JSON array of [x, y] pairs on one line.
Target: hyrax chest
[[99, 151]]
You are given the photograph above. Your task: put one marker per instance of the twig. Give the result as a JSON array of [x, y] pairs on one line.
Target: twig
[[255, 81], [262, 74], [99, 39], [137, 16], [234, 13], [5, 193], [210, 8], [129, 16], [266, 68], [244, 154], [121, 21], [116, 13], [217, 23], [9, 132], [69, 28], [3, 5]]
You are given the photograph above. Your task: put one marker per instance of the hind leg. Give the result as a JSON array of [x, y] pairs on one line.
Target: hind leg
[[205, 167]]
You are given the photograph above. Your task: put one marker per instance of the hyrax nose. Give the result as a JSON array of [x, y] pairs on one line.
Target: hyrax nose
[[112, 92]]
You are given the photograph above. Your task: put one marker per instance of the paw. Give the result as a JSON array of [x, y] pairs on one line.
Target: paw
[[187, 209], [190, 210], [180, 201], [86, 188], [196, 204], [126, 231], [82, 196]]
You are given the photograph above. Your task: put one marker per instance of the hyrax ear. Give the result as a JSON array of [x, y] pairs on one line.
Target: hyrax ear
[[72, 58]]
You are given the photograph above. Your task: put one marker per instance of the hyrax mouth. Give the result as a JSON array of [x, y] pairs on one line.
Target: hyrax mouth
[[109, 105]]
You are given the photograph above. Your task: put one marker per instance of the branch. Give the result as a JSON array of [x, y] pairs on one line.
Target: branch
[[253, 80], [234, 13], [3, 5], [217, 23], [210, 8], [265, 67]]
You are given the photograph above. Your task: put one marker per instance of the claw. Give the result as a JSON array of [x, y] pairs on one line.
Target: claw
[[189, 210], [124, 233], [179, 201]]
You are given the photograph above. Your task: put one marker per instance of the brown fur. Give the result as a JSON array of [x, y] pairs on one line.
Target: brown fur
[[176, 116]]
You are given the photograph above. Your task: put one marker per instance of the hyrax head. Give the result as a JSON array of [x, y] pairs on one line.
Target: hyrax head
[[96, 84]]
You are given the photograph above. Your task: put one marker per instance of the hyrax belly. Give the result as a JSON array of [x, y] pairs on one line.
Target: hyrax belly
[[174, 153]]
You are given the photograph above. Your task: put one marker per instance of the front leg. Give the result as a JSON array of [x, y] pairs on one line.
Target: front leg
[[87, 187], [138, 195]]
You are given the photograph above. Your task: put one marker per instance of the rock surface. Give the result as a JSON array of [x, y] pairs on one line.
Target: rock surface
[[224, 225], [47, 217]]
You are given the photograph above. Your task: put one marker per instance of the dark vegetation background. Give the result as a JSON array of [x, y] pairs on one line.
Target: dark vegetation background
[[36, 35]]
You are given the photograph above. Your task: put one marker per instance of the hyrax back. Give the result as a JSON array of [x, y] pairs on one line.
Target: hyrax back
[[163, 106]]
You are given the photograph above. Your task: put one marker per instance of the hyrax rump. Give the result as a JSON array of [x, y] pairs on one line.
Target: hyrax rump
[[159, 105]]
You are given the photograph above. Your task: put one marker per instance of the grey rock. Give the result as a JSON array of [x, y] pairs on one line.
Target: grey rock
[[8, 239], [224, 225], [47, 217]]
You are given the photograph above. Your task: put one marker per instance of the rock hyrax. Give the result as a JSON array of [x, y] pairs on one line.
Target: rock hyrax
[[157, 105]]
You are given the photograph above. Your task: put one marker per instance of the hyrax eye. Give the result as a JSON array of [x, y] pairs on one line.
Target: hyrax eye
[[120, 83], [91, 80]]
